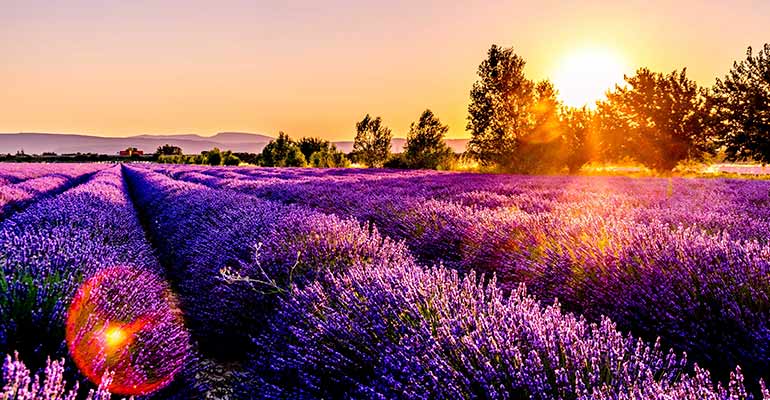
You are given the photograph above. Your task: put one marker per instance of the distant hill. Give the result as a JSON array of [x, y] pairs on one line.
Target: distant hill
[[37, 143]]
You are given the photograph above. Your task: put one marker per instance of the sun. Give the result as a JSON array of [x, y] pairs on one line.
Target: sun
[[583, 76]]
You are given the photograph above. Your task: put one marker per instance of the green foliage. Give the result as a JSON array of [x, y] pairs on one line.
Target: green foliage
[[330, 158], [228, 158], [321, 153], [282, 152], [372, 143], [514, 122], [741, 104], [397, 161], [500, 107], [310, 145], [213, 157], [656, 119], [578, 133], [168, 150], [425, 146]]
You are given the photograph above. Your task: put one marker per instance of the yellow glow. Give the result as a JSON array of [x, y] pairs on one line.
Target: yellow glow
[[584, 76], [115, 337]]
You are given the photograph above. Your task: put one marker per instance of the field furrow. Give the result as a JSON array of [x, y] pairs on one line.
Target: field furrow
[[16, 196], [87, 236]]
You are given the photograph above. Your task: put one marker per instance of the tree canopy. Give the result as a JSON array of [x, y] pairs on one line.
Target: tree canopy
[[425, 147], [372, 144], [656, 119], [741, 104], [282, 152]]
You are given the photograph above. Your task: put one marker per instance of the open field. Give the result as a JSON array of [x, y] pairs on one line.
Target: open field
[[219, 282]]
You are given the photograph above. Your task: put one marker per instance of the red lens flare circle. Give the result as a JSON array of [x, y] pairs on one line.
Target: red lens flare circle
[[127, 322]]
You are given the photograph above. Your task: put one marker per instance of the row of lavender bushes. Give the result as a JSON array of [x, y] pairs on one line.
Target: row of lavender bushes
[[361, 319], [684, 260], [46, 252], [392, 329], [230, 256], [25, 189]]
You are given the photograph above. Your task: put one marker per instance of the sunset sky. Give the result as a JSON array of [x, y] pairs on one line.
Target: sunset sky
[[307, 67]]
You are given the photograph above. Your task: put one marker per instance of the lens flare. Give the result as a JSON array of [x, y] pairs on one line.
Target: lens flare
[[126, 322]]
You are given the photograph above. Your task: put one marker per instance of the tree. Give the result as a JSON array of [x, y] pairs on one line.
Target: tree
[[282, 152], [228, 158], [741, 104], [329, 158], [310, 145], [577, 132], [656, 119], [372, 143], [500, 108], [540, 148], [168, 150], [213, 157], [425, 146]]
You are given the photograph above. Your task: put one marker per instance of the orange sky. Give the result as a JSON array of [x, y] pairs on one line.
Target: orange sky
[[119, 68]]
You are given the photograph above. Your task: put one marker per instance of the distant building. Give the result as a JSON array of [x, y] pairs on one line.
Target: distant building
[[131, 151]]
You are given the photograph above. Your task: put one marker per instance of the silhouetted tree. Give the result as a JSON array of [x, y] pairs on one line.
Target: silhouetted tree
[[500, 107], [282, 152], [741, 102], [228, 158], [578, 135], [540, 149], [656, 119], [213, 157], [248, 158], [168, 150], [514, 122], [372, 143], [425, 146], [310, 145]]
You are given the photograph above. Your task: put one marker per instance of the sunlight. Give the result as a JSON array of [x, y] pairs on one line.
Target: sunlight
[[583, 77], [115, 337]]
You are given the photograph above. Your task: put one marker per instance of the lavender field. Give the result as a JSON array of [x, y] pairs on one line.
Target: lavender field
[[186, 282]]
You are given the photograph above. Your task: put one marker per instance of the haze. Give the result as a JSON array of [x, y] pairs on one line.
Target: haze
[[117, 68]]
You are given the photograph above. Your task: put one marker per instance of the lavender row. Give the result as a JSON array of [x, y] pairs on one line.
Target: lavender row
[[707, 204], [15, 196], [687, 262], [231, 256], [11, 173], [406, 332], [59, 243], [390, 329]]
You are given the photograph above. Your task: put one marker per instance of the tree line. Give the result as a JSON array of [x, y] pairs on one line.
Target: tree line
[[519, 125], [654, 118]]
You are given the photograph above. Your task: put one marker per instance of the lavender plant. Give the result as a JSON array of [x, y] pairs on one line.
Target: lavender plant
[[19, 384], [407, 332]]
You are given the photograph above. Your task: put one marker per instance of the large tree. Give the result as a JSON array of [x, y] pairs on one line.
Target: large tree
[[655, 119], [282, 152], [372, 143], [425, 146], [742, 108], [500, 108], [514, 122]]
